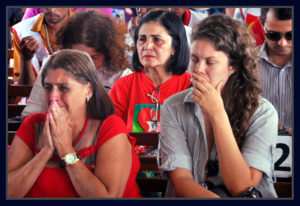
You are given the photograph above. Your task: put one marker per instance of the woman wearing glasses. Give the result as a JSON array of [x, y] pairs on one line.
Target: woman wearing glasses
[[218, 139], [160, 61]]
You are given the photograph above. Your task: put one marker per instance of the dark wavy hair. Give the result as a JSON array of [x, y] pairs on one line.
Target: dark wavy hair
[[100, 32], [178, 63], [81, 67], [280, 13], [241, 92]]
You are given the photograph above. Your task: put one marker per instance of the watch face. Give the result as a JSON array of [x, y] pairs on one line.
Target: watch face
[[70, 158]]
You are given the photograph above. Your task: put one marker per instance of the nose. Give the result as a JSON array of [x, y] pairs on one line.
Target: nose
[[200, 67], [148, 44], [54, 94], [282, 42]]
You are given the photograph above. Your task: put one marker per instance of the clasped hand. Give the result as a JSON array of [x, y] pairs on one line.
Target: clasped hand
[[207, 96], [57, 133]]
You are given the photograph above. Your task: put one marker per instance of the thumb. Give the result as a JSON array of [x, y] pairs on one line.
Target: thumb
[[219, 87]]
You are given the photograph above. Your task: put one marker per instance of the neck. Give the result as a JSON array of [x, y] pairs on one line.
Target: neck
[[157, 75], [279, 60], [54, 28]]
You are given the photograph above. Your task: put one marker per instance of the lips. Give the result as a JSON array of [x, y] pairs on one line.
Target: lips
[[148, 56]]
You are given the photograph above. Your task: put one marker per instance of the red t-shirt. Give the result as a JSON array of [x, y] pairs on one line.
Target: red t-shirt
[[132, 103], [55, 182]]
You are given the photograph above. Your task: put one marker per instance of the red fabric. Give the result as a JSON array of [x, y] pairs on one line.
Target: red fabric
[[257, 32], [187, 17], [55, 182], [250, 18], [132, 104]]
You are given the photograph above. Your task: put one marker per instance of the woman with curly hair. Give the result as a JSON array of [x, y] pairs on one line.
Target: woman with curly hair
[[99, 36], [218, 138]]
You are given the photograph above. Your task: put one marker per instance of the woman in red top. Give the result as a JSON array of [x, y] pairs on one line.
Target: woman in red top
[[77, 148]]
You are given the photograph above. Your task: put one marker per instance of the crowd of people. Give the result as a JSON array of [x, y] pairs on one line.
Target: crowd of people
[[215, 83]]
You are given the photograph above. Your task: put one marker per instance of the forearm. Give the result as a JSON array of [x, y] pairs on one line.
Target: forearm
[[86, 184], [21, 180], [234, 169], [188, 188], [27, 76]]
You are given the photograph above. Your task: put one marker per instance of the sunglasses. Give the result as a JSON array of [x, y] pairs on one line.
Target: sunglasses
[[154, 112], [276, 36]]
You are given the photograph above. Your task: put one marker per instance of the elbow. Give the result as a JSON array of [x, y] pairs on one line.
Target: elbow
[[238, 189]]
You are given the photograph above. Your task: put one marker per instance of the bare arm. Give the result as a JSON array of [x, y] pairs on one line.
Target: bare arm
[[23, 167], [111, 173], [232, 162], [28, 45], [185, 186]]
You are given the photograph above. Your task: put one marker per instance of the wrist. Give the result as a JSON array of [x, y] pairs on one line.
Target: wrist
[[62, 151]]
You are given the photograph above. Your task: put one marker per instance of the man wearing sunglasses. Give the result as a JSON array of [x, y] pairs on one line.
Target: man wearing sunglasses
[[275, 63]]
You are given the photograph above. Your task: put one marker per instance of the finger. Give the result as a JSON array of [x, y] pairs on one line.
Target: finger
[[219, 87], [201, 84], [51, 121], [46, 127], [197, 93], [200, 78]]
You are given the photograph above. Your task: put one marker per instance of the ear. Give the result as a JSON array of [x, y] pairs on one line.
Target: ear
[[90, 90], [232, 69]]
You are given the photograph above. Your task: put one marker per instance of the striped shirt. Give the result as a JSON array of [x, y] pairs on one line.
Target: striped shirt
[[276, 83]]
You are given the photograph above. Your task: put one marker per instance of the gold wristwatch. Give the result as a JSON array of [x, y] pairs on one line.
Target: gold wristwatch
[[69, 159]]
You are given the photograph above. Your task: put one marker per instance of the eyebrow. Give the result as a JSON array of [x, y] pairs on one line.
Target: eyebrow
[[152, 35], [209, 57], [59, 84]]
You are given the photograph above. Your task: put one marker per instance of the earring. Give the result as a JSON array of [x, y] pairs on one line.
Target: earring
[[172, 54], [88, 99]]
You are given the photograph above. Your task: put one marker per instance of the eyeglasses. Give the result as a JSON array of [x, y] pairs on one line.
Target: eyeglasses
[[276, 36], [154, 112]]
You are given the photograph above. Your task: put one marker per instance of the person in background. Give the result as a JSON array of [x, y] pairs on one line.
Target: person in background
[[251, 18], [257, 32], [14, 16], [34, 40], [188, 16], [218, 138], [160, 61], [275, 63], [134, 21], [102, 39], [31, 12], [209, 11], [78, 147]]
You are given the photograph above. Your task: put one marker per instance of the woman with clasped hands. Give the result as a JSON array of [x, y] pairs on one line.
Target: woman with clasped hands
[[78, 148], [218, 138]]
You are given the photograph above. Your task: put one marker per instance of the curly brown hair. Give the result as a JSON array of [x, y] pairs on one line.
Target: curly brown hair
[[241, 92], [100, 32]]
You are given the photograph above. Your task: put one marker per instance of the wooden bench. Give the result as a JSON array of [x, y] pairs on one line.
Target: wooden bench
[[13, 109]]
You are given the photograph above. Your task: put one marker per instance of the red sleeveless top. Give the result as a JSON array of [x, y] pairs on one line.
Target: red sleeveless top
[[55, 182]]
